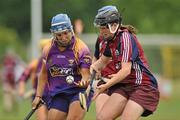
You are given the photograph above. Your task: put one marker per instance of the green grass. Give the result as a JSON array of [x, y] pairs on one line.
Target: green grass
[[167, 109]]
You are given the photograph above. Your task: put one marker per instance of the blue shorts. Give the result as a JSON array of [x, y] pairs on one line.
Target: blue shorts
[[62, 101]]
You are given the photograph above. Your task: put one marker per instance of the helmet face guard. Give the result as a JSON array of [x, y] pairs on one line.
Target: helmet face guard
[[100, 22], [103, 21], [107, 15]]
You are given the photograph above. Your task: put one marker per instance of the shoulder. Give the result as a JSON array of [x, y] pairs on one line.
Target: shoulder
[[126, 32], [81, 49], [125, 35], [47, 48]]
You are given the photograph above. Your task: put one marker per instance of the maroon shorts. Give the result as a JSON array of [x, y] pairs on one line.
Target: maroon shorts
[[145, 95]]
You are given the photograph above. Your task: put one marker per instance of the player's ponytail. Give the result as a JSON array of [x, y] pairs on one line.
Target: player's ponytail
[[130, 28]]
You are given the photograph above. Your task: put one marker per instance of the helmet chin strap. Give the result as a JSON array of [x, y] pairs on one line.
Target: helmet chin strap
[[61, 44]]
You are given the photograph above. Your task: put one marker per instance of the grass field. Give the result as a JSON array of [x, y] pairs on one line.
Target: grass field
[[167, 110]]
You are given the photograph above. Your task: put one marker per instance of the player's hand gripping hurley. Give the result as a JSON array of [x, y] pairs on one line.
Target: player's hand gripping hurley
[[83, 97], [33, 110]]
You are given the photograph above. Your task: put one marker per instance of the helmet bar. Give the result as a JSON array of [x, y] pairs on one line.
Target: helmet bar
[[59, 23]]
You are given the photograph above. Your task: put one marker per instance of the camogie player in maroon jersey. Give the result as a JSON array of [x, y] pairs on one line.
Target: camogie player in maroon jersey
[[9, 83], [132, 88], [100, 47]]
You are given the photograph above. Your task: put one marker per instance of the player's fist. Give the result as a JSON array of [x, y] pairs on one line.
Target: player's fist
[[82, 83]]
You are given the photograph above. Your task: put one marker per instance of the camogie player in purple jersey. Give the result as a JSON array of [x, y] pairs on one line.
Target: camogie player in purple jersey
[[133, 89], [65, 67]]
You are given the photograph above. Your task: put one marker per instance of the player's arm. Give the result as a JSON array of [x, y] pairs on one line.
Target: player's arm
[[85, 61], [100, 63], [122, 74], [85, 73], [96, 52], [23, 78], [126, 61], [42, 80], [94, 59]]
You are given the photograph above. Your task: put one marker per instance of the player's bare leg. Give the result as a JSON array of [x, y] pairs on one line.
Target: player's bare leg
[[100, 100], [75, 111], [132, 111], [55, 114], [42, 113], [112, 108]]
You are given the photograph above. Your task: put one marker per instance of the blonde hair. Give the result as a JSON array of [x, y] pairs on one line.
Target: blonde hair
[[43, 42]]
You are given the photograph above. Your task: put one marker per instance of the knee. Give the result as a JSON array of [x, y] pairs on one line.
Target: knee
[[126, 117]]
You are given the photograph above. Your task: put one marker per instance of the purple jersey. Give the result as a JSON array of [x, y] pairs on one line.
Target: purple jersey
[[60, 64]]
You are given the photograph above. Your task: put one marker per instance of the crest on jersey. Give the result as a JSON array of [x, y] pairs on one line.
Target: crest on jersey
[[55, 71], [117, 52], [87, 59], [118, 65], [71, 61]]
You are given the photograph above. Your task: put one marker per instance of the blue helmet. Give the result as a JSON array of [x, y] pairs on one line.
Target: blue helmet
[[60, 23], [107, 14]]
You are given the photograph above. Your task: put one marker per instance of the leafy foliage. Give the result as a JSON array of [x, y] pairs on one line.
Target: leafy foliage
[[154, 16], [9, 39]]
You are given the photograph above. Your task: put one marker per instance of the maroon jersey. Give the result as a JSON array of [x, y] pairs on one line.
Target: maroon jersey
[[111, 67], [126, 48]]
